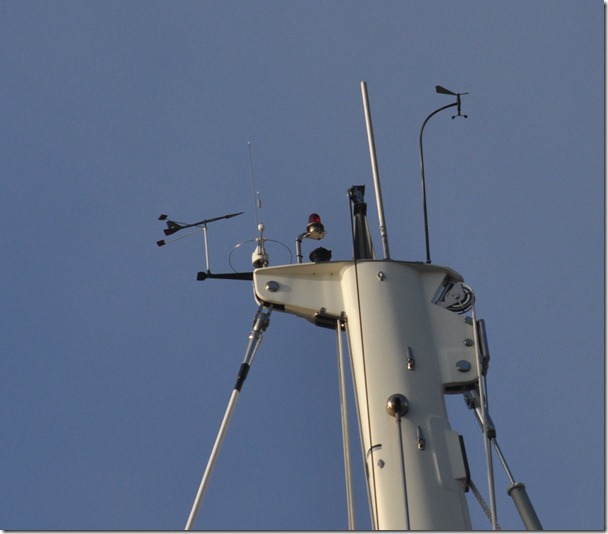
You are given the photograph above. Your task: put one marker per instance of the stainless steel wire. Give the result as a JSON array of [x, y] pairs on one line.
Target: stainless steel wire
[[484, 421], [345, 432]]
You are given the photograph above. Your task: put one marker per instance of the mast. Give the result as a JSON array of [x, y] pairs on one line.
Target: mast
[[406, 349], [403, 347], [410, 344]]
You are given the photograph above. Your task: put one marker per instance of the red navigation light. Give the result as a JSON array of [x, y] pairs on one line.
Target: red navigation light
[[315, 229]]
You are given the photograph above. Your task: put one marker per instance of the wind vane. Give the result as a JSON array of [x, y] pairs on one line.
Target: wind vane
[[174, 227]]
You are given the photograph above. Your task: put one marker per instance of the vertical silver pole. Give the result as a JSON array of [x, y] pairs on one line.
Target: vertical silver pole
[[372, 154], [206, 247], [345, 432]]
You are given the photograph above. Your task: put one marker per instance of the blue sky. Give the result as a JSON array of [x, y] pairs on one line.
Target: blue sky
[[118, 364]]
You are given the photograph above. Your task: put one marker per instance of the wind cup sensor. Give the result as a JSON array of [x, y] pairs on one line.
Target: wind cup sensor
[[444, 91]]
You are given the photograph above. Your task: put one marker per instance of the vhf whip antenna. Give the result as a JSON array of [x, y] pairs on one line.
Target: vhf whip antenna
[[174, 226], [442, 91], [259, 257]]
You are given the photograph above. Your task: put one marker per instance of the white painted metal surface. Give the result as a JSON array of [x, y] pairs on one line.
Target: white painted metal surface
[[415, 468]]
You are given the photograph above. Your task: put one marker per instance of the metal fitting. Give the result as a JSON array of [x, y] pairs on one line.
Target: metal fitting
[[463, 366], [397, 405], [272, 286]]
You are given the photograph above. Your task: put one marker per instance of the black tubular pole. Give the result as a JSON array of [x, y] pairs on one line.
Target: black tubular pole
[[426, 220]]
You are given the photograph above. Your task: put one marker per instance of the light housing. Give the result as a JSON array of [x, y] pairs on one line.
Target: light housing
[[315, 229]]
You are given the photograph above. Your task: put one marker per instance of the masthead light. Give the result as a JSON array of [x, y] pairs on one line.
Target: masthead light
[[315, 228]]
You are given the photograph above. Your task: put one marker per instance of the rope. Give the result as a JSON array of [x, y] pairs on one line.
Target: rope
[[482, 504]]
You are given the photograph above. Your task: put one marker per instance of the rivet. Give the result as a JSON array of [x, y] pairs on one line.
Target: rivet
[[381, 276], [468, 342], [380, 464], [272, 286]]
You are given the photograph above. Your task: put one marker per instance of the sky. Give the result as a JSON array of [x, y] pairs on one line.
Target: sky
[[117, 364]]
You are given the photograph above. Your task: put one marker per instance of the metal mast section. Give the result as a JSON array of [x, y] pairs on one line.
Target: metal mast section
[[408, 346], [406, 350]]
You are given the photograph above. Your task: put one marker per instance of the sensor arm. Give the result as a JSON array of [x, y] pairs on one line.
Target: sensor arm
[[225, 276]]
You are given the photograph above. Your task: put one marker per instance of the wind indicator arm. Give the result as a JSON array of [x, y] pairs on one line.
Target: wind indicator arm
[[443, 91], [224, 276]]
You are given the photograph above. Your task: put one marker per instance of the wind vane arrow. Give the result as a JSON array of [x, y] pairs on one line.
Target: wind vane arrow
[[174, 226]]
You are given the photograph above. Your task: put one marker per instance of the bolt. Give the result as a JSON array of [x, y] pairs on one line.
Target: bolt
[[272, 286], [463, 366]]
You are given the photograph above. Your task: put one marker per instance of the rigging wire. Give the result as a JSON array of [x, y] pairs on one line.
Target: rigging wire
[[517, 490], [402, 453], [345, 432], [374, 509], [482, 503], [484, 420], [503, 461], [164, 242]]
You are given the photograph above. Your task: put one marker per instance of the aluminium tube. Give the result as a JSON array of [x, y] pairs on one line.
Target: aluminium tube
[[372, 153], [524, 506]]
